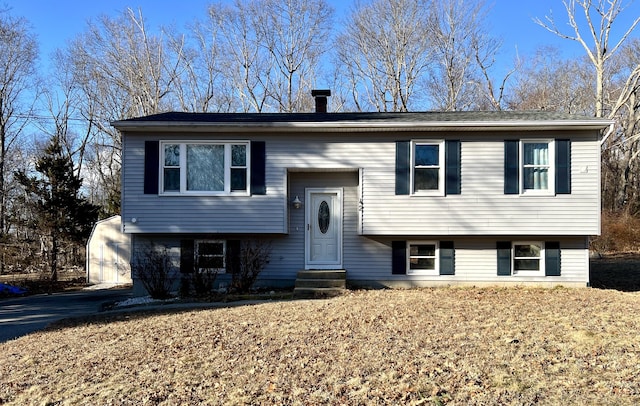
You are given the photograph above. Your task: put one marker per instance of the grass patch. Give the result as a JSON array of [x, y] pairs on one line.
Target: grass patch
[[37, 283], [424, 346]]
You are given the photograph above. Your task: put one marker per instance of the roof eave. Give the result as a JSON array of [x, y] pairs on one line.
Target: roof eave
[[359, 126]]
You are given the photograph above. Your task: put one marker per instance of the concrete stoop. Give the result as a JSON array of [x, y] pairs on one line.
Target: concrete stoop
[[320, 283]]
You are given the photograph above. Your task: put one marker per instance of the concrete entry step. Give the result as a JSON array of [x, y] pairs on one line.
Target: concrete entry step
[[320, 283], [323, 274]]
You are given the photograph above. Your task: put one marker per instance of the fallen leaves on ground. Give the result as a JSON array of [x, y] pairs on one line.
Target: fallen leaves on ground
[[456, 346]]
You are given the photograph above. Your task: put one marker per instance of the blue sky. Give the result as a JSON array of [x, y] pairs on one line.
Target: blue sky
[[56, 22]]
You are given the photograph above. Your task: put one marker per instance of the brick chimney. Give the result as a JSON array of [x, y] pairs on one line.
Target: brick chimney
[[321, 99]]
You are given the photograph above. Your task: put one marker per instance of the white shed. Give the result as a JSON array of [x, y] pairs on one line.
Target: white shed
[[109, 253]]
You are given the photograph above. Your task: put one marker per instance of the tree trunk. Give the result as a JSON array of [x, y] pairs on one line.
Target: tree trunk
[[600, 89], [53, 258], [2, 188]]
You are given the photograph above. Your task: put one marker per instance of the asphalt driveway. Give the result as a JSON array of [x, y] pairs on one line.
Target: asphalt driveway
[[24, 315]]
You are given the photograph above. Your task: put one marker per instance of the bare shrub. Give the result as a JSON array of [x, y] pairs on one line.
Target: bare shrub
[[203, 280], [620, 233], [199, 282], [251, 259], [152, 267]]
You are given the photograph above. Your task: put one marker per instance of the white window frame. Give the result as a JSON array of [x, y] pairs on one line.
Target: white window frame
[[551, 186], [429, 272], [196, 246], [537, 272], [227, 168], [441, 167]]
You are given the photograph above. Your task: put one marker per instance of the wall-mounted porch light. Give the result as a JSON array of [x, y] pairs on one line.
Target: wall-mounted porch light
[[297, 203]]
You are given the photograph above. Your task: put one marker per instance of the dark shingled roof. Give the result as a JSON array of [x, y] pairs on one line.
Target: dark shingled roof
[[270, 118]]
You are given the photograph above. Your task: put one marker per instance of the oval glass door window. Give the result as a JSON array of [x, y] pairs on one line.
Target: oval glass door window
[[323, 217]]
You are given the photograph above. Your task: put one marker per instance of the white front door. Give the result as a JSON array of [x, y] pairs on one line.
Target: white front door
[[324, 229]]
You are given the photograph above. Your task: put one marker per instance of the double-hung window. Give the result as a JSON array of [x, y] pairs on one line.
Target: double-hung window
[[423, 258], [210, 256], [204, 167], [528, 258], [537, 167], [428, 167]]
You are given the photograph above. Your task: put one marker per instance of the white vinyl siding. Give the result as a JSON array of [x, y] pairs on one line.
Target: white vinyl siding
[[481, 209], [368, 260], [232, 213]]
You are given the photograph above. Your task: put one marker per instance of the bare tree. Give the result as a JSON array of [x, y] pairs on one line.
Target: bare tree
[[61, 99], [621, 169], [616, 87], [247, 62], [384, 51], [271, 50], [594, 36], [490, 96], [295, 33], [18, 92], [547, 81], [122, 71], [463, 53], [202, 83]]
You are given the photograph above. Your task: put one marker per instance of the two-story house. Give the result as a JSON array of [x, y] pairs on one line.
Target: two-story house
[[395, 199]]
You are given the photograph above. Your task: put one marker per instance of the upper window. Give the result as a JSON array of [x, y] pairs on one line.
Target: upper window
[[423, 258], [204, 167], [527, 258], [537, 168], [428, 167]]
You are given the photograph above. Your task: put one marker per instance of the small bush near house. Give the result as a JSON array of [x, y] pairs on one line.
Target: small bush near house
[[152, 267], [251, 259], [203, 280]]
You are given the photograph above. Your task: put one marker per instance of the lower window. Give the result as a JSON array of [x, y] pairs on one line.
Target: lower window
[[210, 256], [423, 258], [527, 258]]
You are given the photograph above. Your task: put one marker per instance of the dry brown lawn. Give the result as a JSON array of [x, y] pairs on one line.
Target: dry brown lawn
[[455, 346]]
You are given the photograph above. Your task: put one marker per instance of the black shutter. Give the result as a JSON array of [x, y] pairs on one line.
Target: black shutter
[[447, 258], [151, 167], [552, 258], [403, 167], [258, 168], [233, 256], [186, 256], [399, 257], [452, 167], [504, 257], [563, 166], [511, 168]]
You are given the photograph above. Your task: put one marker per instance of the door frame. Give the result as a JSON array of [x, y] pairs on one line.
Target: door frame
[[336, 217]]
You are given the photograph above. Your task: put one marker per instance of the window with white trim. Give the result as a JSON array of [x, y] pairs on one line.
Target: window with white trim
[[537, 165], [428, 167], [528, 258], [210, 256], [422, 258], [204, 167]]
